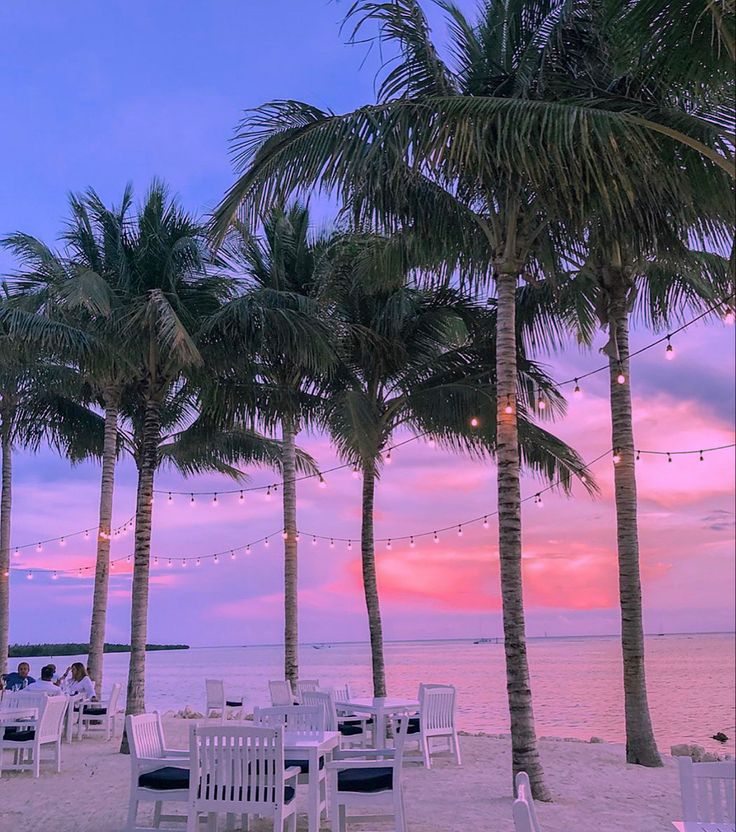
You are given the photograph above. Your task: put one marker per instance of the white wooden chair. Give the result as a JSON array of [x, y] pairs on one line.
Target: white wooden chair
[[158, 774], [27, 743], [305, 685], [369, 778], [240, 771], [281, 692], [525, 816], [101, 716], [707, 791], [436, 719], [352, 729], [217, 702]]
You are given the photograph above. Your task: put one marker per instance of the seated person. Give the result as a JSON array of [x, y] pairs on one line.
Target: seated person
[[45, 684], [19, 679], [79, 685]]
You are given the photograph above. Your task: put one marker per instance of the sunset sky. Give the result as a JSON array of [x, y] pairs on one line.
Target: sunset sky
[[102, 94]]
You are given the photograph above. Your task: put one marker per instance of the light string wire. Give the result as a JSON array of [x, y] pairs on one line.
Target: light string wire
[[281, 533], [320, 474]]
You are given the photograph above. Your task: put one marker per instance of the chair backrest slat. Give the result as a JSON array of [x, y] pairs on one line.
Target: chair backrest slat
[[707, 790], [281, 692], [324, 700], [145, 736], [524, 813], [50, 722]]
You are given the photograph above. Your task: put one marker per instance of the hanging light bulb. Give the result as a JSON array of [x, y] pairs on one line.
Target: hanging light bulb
[[184, 563], [29, 575], [16, 553], [332, 543], [192, 501], [669, 352], [459, 531], [169, 563], [474, 422], [350, 545], [541, 404], [54, 577], [232, 554], [356, 473], [322, 482], [86, 534], [297, 537], [485, 522], [436, 538], [539, 502], [508, 409], [127, 560], [241, 498], [314, 540], [621, 378], [728, 318], [266, 542], [155, 561], [431, 443], [577, 391], [669, 457], [268, 493], [39, 547], [702, 458], [62, 542], [388, 543], [247, 549], [80, 572], [411, 542], [215, 560], [388, 457], [616, 457], [285, 534], [199, 562], [214, 500]]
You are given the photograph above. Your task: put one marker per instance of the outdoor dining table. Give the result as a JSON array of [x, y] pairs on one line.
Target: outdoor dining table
[[379, 707], [701, 826], [303, 747]]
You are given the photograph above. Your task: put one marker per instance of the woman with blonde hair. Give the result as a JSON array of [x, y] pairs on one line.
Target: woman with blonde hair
[[80, 685]]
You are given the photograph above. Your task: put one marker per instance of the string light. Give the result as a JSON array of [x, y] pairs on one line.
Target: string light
[[55, 576], [169, 563], [621, 378], [39, 547], [728, 318], [508, 409], [388, 457], [577, 391], [411, 542], [62, 542], [29, 575], [285, 534], [669, 457], [86, 534], [247, 549], [436, 538], [702, 458], [314, 540], [170, 498], [16, 553], [538, 501], [474, 422], [388, 543], [459, 531], [541, 404], [669, 352], [638, 456], [265, 543], [268, 493], [332, 543], [199, 561], [356, 473], [215, 560], [183, 562], [485, 522], [350, 545], [241, 498], [192, 501], [322, 482], [297, 537], [232, 554], [616, 457], [214, 501], [155, 561]]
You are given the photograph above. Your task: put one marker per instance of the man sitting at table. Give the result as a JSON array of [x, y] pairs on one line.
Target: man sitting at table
[[19, 679], [45, 683]]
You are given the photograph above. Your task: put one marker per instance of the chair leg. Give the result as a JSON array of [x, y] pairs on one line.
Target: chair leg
[[456, 745], [192, 819], [36, 761], [425, 752], [212, 822], [58, 756], [132, 814], [342, 823], [157, 813]]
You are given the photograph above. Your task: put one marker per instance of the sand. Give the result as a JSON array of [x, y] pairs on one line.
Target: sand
[[594, 790]]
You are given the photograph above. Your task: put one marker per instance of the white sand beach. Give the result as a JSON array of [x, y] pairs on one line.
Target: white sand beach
[[594, 790]]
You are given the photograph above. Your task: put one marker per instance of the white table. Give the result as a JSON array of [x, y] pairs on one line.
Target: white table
[[698, 826], [303, 747], [380, 708]]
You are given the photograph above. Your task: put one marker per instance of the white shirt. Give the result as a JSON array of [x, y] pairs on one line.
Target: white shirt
[[42, 687], [82, 688]]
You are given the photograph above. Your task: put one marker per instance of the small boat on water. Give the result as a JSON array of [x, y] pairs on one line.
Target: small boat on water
[[486, 641]]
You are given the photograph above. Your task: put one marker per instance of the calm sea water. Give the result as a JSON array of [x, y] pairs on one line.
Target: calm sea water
[[576, 682]]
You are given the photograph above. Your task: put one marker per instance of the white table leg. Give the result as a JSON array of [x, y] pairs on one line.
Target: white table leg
[[314, 808], [380, 727]]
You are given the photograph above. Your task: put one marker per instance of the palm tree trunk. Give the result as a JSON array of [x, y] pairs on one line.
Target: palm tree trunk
[[136, 700], [291, 611], [370, 585], [525, 754], [5, 508], [641, 746], [102, 569]]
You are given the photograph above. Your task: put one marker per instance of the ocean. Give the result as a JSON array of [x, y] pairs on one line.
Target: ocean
[[576, 682]]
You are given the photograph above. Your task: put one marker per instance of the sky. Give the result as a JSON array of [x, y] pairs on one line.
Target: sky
[[103, 94]]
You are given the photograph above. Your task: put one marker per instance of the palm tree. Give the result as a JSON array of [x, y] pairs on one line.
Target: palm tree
[[422, 360], [77, 287], [276, 327], [37, 404], [478, 156]]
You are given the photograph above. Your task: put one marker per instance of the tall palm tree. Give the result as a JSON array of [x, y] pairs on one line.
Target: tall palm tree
[[422, 360], [77, 287], [285, 348], [478, 155]]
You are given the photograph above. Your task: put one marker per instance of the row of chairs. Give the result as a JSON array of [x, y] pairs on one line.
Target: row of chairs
[[240, 770]]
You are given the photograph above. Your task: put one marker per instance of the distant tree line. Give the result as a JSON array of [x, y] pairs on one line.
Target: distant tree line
[[78, 649]]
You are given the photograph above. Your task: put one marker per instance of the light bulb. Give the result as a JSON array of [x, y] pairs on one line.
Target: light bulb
[[669, 353], [431, 443], [539, 502], [54, 576], [170, 498], [86, 534], [241, 498], [17, 553], [436, 538], [265, 542], [485, 522], [169, 563], [332, 544], [616, 457], [314, 541], [388, 544], [669, 457], [183, 562], [508, 409], [297, 537], [322, 482], [80, 572], [155, 561], [232, 554], [247, 549], [356, 473], [199, 562], [268, 493], [214, 501], [638, 456], [728, 318], [388, 457], [127, 560], [541, 404], [621, 378], [62, 542], [577, 391], [192, 501], [459, 531], [350, 545], [39, 547], [285, 535], [474, 422], [702, 458], [29, 575], [411, 542], [215, 560]]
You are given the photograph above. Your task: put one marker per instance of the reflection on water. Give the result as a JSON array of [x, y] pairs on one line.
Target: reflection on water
[[576, 682]]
